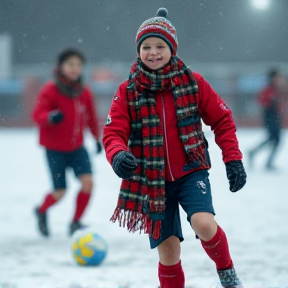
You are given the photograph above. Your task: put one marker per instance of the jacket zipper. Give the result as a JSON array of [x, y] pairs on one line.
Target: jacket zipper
[[165, 137]]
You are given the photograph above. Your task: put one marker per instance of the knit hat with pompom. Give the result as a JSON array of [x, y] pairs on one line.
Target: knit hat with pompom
[[159, 27]]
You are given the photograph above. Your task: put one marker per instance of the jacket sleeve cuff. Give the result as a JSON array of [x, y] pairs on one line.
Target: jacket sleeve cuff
[[113, 152], [232, 158]]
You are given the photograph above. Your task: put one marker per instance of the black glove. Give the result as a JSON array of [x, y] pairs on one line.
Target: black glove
[[98, 147], [123, 164], [236, 175], [55, 117]]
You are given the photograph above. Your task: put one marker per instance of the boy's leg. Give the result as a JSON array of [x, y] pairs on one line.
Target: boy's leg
[[57, 165], [259, 147], [217, 249], [50, 199], [252, 153], [213, 239], [170, 271], [196, 199], [80, 162], [274, 143], [83, 196], [169, 251]]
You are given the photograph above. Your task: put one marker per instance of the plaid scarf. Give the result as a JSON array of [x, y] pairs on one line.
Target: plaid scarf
[[71, 89], [141, 203]]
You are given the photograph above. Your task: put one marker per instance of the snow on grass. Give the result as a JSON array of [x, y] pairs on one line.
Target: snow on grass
[[255, 221]]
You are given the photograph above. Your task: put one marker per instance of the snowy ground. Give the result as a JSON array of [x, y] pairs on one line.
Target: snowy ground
[[255, 221]]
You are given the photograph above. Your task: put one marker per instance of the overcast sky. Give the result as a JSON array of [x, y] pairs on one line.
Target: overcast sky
[[208, 30]]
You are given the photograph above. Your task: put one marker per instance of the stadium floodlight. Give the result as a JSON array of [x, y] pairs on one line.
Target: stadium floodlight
[[261, 4]]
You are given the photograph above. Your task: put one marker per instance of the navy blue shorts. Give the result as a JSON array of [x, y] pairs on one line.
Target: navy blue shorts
[[193, 193], [58, 162]]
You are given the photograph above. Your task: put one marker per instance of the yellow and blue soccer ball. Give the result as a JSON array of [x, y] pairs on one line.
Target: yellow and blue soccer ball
[[89, 248]]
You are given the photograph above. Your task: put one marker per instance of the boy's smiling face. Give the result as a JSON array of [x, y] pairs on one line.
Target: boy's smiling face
[[155, 53]]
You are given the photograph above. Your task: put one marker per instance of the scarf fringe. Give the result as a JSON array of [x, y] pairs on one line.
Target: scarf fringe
[[157, 230], [135, 221]]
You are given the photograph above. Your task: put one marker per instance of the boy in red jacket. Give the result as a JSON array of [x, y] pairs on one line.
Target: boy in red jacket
[[158, 111], [63, 108], [271, 101]]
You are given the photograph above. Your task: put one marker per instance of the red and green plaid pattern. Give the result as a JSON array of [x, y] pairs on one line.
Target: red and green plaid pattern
[[141, 203]]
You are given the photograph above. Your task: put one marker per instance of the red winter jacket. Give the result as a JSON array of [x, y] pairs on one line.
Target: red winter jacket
[[79, 111], [269, 96], [212, 110]]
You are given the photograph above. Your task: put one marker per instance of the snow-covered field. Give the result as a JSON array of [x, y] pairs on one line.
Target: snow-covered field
[[255, 220]]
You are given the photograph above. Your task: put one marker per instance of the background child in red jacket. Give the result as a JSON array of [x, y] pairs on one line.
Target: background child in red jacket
[[271, 100], [63, 108], [158, 111]]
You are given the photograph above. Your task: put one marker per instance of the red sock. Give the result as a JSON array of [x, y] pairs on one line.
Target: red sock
[[218, 250], [171, 276], [81, 204], [48, 201]]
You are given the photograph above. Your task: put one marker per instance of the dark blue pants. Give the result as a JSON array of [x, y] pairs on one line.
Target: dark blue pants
[[193, 193], [58, 162]]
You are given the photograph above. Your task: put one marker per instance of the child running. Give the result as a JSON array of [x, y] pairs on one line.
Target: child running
[[158, 111], [271, 99], [63, 108]]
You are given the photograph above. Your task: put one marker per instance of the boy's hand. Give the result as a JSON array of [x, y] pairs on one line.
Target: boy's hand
[[98, 147], [55, 117], [236, 175], [123, 164]]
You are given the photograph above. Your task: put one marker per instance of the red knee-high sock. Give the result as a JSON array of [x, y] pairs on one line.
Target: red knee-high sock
[[171, 276], [48, 201], [81, 204], [218, 250]]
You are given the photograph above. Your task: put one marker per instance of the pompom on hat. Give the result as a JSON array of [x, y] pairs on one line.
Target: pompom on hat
[[159, 27]]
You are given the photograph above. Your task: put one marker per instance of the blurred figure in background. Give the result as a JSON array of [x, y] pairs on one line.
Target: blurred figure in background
[[63, 108], [270, 99]]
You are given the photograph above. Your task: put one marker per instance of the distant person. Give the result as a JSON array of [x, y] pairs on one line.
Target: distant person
[[270, 99], [63, 108], [154, 141]]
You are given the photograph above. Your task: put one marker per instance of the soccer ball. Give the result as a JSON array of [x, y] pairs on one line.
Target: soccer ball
[[88, 248]]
